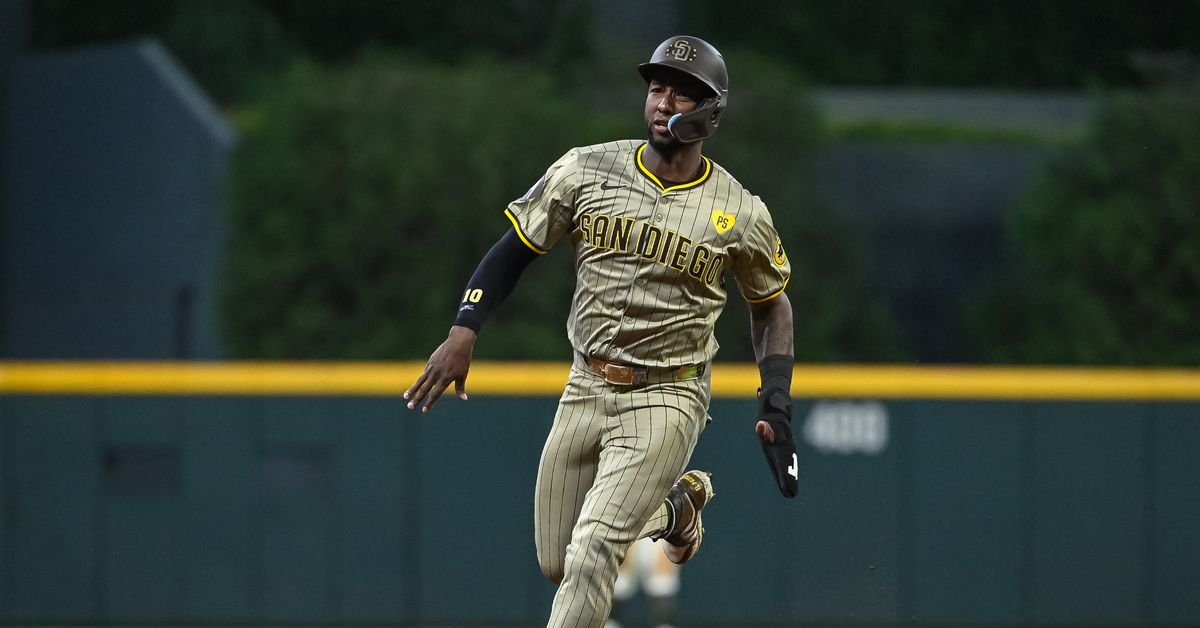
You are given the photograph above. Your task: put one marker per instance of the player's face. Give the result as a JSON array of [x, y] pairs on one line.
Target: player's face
[[665, 98]]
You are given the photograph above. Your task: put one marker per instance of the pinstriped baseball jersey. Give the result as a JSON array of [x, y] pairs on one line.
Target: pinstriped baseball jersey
[[650, 256]]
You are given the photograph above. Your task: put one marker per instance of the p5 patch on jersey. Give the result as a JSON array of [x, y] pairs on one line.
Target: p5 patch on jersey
[[721, 221]]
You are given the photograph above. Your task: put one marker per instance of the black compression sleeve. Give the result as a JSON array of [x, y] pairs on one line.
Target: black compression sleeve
[[493, 280]]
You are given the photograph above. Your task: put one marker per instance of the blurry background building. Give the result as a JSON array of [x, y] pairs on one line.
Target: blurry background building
[[115, 163]]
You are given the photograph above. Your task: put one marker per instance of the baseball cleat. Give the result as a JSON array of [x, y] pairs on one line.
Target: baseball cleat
[[687, 498]]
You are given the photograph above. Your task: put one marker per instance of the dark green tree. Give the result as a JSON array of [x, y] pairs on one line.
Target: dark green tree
[[1108, 247], [363, 198], [228, 46], [1066, 43]]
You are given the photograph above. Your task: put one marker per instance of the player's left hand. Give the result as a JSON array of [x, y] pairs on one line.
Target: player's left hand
[[774, 430]]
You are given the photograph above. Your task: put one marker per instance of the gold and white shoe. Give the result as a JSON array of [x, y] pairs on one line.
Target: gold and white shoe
[[685, 530]]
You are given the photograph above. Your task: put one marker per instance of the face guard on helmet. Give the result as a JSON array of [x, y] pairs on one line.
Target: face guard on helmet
[[700, 60]]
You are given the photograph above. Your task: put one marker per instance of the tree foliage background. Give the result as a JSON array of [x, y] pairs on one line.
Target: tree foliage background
[[1107, 247], [1037, 45], [364, 197]]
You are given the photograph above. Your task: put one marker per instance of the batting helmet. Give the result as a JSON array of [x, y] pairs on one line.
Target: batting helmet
[[699, 59]]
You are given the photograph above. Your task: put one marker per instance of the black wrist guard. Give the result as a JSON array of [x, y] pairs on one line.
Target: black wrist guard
[[775, 396]]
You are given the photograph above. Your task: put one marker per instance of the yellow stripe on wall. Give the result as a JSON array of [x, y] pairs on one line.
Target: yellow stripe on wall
[[263, 378], [547, 379], [996, 383]]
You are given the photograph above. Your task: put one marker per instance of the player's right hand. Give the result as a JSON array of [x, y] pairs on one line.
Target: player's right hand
[[449, 363], [774, 430]]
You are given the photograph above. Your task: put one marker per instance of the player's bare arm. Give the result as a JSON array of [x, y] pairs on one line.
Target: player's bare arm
[[492, 282], [771, 327], [772, 336]]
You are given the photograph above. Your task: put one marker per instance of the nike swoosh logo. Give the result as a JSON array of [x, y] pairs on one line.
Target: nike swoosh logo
[[606, 186]]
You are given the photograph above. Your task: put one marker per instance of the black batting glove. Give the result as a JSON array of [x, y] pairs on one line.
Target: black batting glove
[[775, 410]]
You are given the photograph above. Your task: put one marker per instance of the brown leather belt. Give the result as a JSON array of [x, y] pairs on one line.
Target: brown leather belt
[[630, 375]]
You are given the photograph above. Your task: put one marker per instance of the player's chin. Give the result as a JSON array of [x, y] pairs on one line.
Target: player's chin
[[663, 142]]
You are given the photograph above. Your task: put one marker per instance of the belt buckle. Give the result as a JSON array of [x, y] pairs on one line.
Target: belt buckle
[[618, 374]]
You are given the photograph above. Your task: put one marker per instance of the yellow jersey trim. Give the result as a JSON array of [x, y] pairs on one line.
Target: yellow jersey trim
[[391, 379], [521, 234], [682, 186], [769, 296]]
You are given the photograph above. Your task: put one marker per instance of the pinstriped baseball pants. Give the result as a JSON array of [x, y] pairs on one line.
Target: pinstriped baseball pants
[[609, 460]]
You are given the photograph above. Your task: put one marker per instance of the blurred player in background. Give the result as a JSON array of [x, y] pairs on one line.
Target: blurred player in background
[[646, 568]]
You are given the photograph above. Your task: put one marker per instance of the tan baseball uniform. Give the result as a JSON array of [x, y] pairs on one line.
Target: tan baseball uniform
[[650, 258]]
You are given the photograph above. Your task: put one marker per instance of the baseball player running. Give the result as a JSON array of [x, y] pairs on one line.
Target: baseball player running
[[654, 226]]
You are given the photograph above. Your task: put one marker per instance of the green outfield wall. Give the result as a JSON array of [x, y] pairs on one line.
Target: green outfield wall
[[277, 493]]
